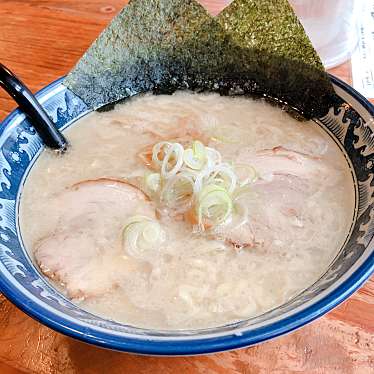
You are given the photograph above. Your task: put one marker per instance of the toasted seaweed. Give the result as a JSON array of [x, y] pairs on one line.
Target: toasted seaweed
[[269, 25], [165, 45], [151, 44], [278, 54]]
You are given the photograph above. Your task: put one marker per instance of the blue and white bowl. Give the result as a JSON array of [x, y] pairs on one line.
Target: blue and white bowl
[[350, 123]]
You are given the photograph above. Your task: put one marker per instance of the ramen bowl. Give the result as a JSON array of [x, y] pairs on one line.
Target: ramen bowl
[[351, 125]]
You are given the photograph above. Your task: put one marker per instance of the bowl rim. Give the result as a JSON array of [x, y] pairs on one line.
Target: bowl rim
[[147, 346]]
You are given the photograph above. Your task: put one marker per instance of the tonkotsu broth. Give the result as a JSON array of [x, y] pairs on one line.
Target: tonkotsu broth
[[300, 218]]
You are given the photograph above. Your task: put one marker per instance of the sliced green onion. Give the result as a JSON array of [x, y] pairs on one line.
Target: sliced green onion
[[142, 234], [173, 160], [193, 177], [247, 174], [157, 149], [178, 191], [222, 175], [198, 148], [214, 204], [135, 219], [152, 182], [195, 157], [213, 157]]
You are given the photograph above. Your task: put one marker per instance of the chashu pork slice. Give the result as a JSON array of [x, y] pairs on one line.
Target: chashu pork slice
[[276, 205], [84, 253]]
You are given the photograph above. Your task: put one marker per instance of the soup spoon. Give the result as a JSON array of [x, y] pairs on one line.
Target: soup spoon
[[30, 106]]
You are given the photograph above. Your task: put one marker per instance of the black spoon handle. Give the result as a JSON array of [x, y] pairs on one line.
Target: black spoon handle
[[30, 106]]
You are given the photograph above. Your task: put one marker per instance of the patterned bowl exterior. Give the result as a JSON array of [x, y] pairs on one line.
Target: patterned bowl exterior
[[350, 123]]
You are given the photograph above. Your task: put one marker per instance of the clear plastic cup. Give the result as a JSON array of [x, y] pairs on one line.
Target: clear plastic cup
[[331, 26]]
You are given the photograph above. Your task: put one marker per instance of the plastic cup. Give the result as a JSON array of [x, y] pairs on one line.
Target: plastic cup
[[331, 26]]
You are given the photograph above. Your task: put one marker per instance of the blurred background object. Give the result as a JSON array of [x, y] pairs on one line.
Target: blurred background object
[[332, 26], [363, 56]]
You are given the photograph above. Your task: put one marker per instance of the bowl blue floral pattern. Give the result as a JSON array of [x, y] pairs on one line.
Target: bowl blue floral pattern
[[350, 123]]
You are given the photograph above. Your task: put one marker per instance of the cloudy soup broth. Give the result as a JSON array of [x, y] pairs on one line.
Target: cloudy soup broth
[[187, 211]]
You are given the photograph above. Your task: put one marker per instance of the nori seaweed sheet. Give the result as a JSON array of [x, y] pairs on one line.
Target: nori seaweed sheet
[[150, 44], [278, 54], [165, 45]]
